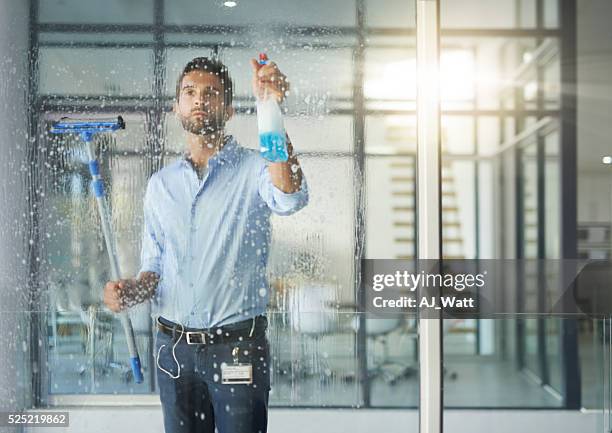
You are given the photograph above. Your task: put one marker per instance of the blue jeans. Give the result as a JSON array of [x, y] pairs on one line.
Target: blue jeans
[[197, 401]]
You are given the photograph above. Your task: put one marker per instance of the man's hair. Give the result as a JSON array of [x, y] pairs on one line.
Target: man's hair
[[212, 66]]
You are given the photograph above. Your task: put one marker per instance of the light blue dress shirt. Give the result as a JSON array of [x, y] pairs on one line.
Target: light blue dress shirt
[[208, 239]]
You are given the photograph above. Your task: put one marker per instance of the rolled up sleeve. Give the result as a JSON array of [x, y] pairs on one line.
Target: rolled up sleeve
[[279, 202], [152, 235]]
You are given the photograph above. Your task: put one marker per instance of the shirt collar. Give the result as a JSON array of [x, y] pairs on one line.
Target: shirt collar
[[227, 153]]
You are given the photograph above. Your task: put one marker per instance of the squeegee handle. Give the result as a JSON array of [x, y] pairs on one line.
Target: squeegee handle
[[99, 193]]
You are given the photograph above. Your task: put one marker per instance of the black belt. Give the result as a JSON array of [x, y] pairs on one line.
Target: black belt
[[244, 330]]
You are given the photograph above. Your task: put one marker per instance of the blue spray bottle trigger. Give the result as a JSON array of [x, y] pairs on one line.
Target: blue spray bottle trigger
[[272, 137]]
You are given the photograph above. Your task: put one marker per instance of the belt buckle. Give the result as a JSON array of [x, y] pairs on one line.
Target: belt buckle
[[201, 334]]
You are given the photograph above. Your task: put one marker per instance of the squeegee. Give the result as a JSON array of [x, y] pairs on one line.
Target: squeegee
[[86, 129]]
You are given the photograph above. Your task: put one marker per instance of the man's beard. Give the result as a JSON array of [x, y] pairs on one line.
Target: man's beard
[[205, 125]]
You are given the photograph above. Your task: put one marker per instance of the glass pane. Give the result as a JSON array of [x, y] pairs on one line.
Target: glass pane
[[95, 12], [390, 176], [552, 84], [490, 137], [390, 13], [483, 14], [553, 329], [498, 84], [390, 80], [526, 11], [595, 339], [313, 350], [319, 78], [480, 369], [311, 277], [488, 134], [393, 363], [458, 135], [320, 354], [261, 14], [71, 38], [458, 209], [551, 13], [89, 354], [327, 134], [390, 77], [86, 72], [529, 193], [552, 189], [391, 135], [391, 227]]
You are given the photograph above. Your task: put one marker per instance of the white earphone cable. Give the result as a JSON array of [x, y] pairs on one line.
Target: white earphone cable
[[173, 355]]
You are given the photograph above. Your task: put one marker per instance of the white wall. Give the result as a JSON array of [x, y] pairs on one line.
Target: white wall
[[13, 85]]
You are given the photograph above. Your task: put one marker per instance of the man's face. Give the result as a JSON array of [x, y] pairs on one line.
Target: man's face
[[201, 107]]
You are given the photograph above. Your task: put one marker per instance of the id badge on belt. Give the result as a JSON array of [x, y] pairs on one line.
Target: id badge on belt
[[236, 373]]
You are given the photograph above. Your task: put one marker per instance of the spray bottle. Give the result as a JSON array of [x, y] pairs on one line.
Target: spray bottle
[[272, 138]]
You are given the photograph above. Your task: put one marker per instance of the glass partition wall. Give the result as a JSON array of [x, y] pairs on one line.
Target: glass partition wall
[[351, 117], [516, 145], [501, 171], [508, 188]]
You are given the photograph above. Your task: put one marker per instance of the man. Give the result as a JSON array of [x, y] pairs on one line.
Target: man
[[204, 255]]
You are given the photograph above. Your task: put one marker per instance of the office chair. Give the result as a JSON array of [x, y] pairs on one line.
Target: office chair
[[378, 330], [312, 316]]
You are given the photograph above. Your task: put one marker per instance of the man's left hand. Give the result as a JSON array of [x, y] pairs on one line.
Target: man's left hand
[[269, 81]]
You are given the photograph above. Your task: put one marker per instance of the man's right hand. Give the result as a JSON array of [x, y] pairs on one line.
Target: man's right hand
[[116, 294]]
